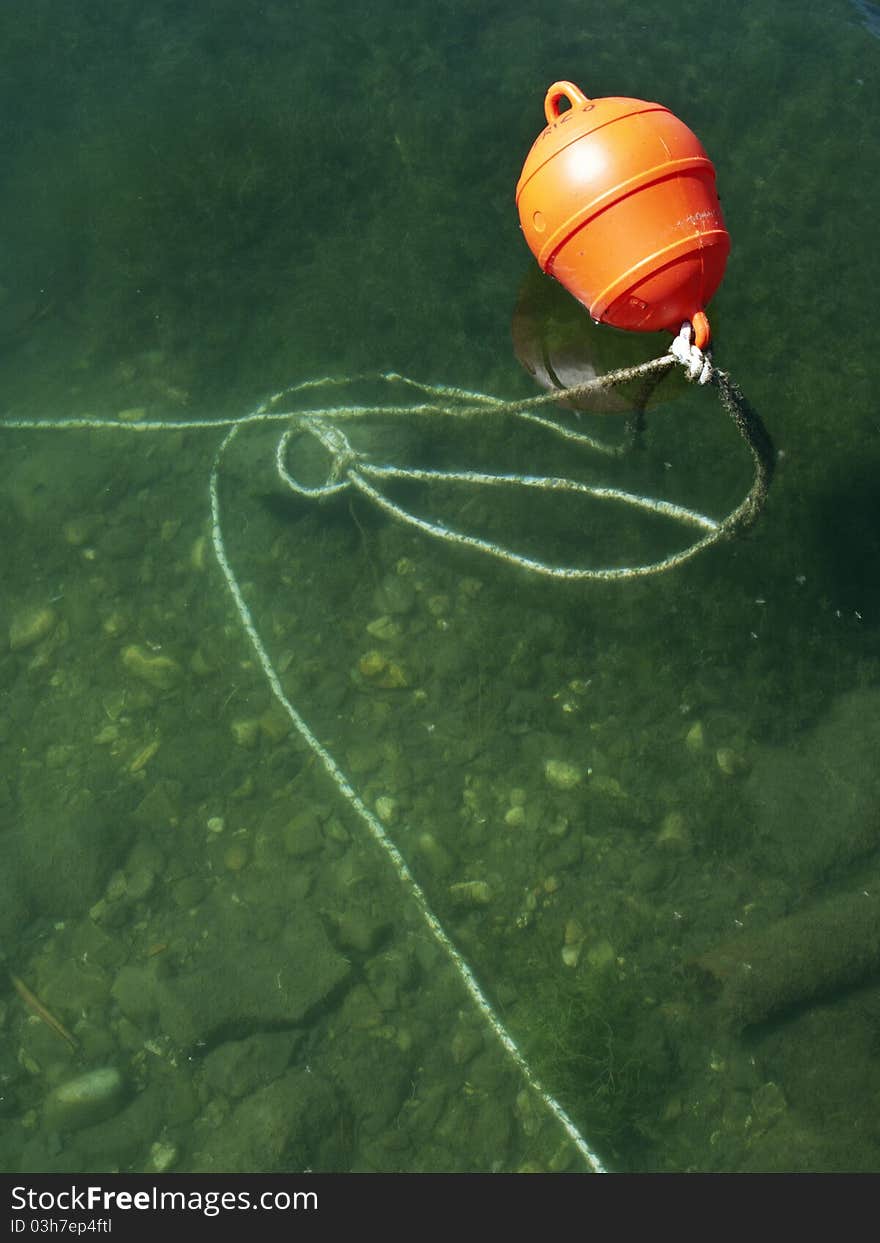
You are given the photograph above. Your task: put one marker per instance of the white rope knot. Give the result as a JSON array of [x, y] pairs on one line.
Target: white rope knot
[[343, 457], [696, 365], [338, 446]]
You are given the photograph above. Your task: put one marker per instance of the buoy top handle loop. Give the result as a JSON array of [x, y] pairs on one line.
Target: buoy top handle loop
[[559, 91]]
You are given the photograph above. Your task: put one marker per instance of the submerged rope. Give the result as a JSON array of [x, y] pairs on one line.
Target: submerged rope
[[348, 468], [377, 830]]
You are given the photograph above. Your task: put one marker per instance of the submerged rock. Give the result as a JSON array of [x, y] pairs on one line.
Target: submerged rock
[[29, 626], [85, 1100], [235, 992], [816, 802]]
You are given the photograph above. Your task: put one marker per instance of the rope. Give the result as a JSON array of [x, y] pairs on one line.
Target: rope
[[377, 832], [697, 365], [349, 468]]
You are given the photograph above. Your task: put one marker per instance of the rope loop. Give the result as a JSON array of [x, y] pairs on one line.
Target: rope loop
[[697, 366]]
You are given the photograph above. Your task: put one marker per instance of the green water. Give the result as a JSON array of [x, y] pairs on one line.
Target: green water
[[202, 204]]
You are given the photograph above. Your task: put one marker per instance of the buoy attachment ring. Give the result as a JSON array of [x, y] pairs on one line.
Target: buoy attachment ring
[[617, 200]]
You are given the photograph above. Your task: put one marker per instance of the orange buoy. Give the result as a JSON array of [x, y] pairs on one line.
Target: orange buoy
[[617, 200]]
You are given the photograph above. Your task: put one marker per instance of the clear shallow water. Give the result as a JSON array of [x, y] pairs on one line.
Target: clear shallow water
[[198, 211]]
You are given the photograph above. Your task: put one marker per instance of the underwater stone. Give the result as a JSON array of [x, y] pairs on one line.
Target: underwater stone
[[162, 1156], [243, 987], [29, 626], [297, 1113], [434, 853], [302, 835], [360, 931], [245, 733], [571, 955], [562, 775], [386, 809], [83, 1101], [384, 628], [394, 595], [572, 942], [238, 1067], [515, 817], [822, 949], [471, 893], [134, 991], [673, 833], [601, 956], [64, 844], [731, 763], [815, 800], [158, 671]]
